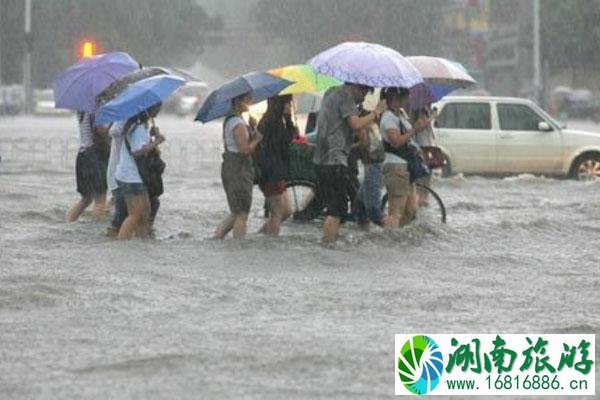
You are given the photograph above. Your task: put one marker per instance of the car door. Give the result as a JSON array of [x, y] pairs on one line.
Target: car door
[[464, 130], [521, 146]]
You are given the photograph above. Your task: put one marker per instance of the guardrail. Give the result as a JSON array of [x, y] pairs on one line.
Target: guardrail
[[181, 155]]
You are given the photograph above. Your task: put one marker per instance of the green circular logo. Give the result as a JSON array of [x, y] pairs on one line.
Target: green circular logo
[[420, 364]]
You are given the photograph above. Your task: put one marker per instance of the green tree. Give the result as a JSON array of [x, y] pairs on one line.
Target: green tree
[[154, 32], [310, 26]]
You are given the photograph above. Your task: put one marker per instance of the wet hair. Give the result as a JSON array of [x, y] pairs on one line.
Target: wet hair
[[238, 98], [274, 118], [275, 107], [369, 89], [154, 110], [392, 93], [144, 116]]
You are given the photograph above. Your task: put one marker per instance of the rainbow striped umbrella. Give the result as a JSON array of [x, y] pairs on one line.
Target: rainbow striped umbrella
[[305, 79]]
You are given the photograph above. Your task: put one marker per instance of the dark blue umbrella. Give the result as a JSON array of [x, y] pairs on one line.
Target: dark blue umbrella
[[138, 96], [260, 86], [77, 87]]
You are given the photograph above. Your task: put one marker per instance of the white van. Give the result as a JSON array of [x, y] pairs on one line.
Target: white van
[[501, 135]]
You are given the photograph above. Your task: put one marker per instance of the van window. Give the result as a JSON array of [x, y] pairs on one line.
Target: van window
[[518, 117], [465, 116]]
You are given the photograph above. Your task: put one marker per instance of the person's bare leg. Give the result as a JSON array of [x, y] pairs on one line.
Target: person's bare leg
[[411, 207], [225, 227], [331, 230], [280, 210], [286, 204], [136, 214], [240, 226], [271, 204], [78, 208], [397, 205], [145, 225], [99, 209]]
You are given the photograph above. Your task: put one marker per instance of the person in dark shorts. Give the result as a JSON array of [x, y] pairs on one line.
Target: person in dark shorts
[[237, 171], [120, 205], [90, 168], [337, 122], [136, 142], [273, 160]]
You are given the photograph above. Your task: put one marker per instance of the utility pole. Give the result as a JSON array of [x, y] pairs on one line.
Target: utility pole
[[537, 63], [1, 28], [27, 59]]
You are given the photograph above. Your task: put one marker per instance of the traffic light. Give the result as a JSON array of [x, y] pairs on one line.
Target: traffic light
[[87, 49]]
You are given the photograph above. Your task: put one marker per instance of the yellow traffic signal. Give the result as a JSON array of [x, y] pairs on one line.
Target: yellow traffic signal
[[87, 49]]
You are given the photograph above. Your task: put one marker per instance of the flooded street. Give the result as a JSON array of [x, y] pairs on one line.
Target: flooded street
[[85, 316]]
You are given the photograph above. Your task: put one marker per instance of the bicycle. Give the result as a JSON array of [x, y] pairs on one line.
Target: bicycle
[[302, 185]]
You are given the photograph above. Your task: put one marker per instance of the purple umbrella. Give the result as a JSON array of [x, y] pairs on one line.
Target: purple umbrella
[[77, 87], [421, 95], [367, 64]]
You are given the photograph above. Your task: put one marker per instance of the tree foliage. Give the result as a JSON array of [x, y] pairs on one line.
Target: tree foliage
[[313, 25], [154, 32]]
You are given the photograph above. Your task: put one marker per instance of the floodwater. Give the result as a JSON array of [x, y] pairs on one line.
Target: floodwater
[[84, 316]]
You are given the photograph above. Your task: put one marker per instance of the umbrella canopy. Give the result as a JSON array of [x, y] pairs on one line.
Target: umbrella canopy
[[260, 86], [305, 79], [138, 96], [115, 88], [440, 70], [77, 87], [421, 95], [441, 75], [366, 64]]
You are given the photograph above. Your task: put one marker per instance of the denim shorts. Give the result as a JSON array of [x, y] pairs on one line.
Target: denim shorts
[[121, 208], [132, 189]]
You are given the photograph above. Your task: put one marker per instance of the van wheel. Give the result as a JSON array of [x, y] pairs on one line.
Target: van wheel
[[586, 167]]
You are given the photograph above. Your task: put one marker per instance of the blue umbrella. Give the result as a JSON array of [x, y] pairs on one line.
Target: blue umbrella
[[138, 96], [260, 86], [77, 87]]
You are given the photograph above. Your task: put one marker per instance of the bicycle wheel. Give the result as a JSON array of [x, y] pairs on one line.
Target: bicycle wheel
[[435, 210]]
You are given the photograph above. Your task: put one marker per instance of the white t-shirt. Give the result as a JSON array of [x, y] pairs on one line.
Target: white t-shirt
[[115, 152], [426, 137], [126, 168], [228, 136], [389, 120]]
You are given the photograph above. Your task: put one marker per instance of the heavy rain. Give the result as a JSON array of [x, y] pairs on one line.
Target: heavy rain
[[420, 168]]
